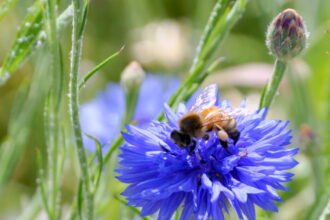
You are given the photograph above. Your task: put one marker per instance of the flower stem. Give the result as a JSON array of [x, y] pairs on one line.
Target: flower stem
[[222, 19], [79, 21], [272, 87]]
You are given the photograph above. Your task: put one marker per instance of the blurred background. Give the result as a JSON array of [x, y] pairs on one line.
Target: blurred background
[[162, 37]]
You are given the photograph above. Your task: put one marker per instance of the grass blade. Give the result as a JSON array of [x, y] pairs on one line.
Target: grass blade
[[26, 37], [29, 38], [321, 207], [17, 134], [5, 6], [98, 154], [223, 17], [133, 209], [98, 67]]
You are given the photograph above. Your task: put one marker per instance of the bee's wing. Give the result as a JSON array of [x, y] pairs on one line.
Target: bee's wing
[[208, 97], [238, 112]]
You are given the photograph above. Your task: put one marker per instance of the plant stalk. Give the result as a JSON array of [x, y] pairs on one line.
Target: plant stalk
[[78, 26], [272, 87]]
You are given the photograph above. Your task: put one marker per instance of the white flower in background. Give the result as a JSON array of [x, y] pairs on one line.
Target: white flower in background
[[163, 42]]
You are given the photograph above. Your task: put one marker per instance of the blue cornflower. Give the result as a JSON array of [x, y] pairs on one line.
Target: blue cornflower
[[102, 116], [208, 179]]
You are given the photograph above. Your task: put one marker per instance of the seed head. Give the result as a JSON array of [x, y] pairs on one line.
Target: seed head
[[286, 35]]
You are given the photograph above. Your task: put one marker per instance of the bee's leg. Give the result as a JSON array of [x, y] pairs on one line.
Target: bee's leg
[[224, 144], [193, 146], [235, 136], [223, 136]]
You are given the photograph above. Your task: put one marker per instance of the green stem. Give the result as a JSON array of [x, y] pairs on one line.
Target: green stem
[[215, 17], [79, 21], [52, 109], [5, 6], [222, 19], [113, 148], [131, 98], [272, 87], [135, 210]]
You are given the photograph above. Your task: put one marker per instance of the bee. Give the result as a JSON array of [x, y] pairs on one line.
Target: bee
[[204, 117]]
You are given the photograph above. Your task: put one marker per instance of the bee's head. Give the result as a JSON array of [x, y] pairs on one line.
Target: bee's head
[[180, 139], [191, 124]]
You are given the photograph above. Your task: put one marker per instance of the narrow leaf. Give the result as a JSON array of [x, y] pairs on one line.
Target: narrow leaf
[[321, 207], [133, 209], [29, 38], [5, 6], [99, 156], [98, 67]]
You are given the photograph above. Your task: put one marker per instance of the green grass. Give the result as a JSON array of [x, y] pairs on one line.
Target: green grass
[[55, 60]]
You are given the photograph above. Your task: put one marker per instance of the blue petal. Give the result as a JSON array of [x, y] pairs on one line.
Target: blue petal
[[187, 208], [170, 115], [227, 164], [242, 190], [248, 210], [264, 203], [204, 206], [206, 182], [216, 212], [170, 205], [150, 208]]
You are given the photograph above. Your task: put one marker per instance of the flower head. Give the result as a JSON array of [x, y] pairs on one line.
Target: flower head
[[286, 35], [102, 116], [208, 178]]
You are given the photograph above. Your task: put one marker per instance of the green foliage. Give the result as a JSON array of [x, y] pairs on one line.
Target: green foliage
[[61, 173], [5, 6]]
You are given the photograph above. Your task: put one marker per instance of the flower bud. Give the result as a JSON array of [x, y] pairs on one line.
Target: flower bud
[[132, 76], [286, 35]]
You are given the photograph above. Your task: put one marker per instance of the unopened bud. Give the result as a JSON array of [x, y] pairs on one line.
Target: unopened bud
[[286, 35], [306, 133], [132, 76]]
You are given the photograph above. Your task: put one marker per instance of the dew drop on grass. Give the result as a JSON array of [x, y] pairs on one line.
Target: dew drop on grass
[[4, 77], [30, 9], [42, 35], [39, 43]]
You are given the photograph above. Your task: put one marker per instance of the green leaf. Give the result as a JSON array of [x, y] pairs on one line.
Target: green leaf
[[80, 198], [321, 207], [29, 38], [223, 17], [133, 209], [98, 67], [26, 37], [42, 183], [5, 6], [21, 121], [99, 156]]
